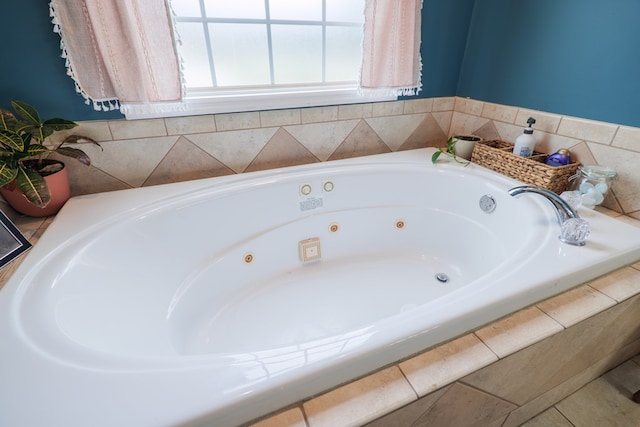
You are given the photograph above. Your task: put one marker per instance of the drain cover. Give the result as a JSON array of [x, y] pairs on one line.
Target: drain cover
[[442, 278], [487, 203]]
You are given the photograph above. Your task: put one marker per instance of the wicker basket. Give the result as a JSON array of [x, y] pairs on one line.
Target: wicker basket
[[498, 156]]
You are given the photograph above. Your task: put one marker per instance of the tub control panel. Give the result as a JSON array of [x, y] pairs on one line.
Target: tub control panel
[[310, 194]]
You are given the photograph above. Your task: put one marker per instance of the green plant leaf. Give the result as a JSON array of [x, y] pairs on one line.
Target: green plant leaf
[[33, 186], [11, 140], [8, 172], [451, 145], [54, 125], [449, 150], [21, 126], [59, 124], [27, 112], [36, 150], [75, 153], [7, 120], [434, 157]]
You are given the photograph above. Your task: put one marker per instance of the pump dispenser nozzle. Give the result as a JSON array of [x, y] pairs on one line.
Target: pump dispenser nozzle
[[528, 130]]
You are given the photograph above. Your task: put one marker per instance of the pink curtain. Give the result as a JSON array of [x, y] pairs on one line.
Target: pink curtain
[[119, 51], [391, 46]]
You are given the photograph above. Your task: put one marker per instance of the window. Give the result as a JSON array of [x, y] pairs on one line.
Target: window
[[263, 54]]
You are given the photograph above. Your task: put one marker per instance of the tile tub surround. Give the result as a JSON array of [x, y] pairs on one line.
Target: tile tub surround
[[156, 151]]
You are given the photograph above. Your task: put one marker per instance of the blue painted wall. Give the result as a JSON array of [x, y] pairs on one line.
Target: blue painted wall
[[574, 57], [444, 37]]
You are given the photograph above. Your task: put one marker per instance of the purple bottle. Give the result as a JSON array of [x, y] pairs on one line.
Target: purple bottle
[[561, 158]]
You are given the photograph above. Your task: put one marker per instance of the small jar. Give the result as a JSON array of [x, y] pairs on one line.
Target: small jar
[[593, 182]]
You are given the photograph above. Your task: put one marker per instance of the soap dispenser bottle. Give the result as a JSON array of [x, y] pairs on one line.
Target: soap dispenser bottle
[[526, 142]]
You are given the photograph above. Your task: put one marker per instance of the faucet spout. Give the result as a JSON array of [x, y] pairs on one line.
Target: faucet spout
[[562, 209], [573, 229]]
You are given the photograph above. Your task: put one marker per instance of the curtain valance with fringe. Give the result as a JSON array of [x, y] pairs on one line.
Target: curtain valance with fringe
[[391, 46], [119, 52]]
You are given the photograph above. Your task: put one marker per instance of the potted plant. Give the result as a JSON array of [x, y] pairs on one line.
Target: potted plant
[[458, 146], [30, 182]]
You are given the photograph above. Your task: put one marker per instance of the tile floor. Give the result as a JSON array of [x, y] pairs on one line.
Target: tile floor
[[604, 402]]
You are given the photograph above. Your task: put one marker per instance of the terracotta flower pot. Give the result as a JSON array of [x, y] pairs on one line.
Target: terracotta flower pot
[[58, 184]]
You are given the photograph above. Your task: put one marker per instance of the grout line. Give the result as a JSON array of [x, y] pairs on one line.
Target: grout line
[[397, 365], [305, 417], [563, 416]]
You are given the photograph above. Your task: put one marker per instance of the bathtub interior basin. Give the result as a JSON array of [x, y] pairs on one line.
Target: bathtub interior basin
[[175, 277]]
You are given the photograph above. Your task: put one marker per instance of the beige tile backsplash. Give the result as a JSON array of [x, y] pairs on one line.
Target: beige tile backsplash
[[149, 152]]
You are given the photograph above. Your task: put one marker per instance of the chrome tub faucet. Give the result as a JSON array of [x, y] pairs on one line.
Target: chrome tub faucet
[[574, 230]]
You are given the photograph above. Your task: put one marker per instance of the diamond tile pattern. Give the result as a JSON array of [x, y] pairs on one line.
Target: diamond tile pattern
[[150, 152]]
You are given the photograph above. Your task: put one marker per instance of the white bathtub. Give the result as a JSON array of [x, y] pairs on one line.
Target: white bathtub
[[189, 303]]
